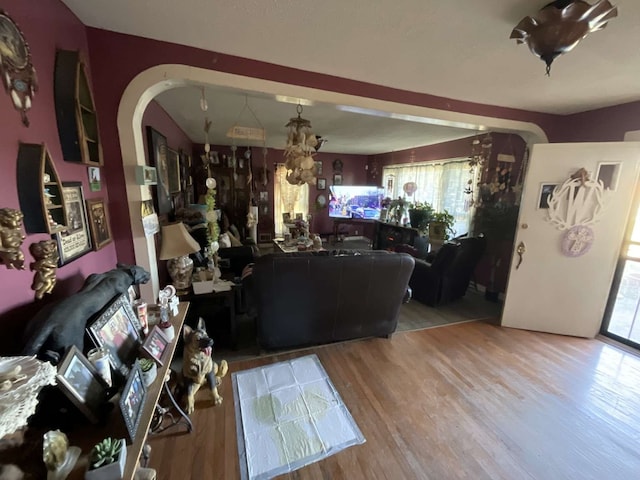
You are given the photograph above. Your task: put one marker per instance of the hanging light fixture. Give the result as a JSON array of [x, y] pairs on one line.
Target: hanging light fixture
[[298, 156], [560, 25]]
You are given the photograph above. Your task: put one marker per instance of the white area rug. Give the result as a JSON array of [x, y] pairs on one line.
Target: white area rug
[[289, 415]]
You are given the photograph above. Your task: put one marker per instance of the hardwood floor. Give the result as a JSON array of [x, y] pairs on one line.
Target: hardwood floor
[[471, 400]]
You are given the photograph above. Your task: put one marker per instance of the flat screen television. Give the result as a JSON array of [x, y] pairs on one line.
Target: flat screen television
[[353, 201]]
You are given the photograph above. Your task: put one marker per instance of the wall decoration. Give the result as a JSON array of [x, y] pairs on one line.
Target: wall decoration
[[146, 175], [318, 164], [546, 189], [322, 184], [158, 157], [337, 179], [45, 254], [76, 240], [18, 74], [574, 207], [608, 173], [337, 165], [11, 238], [132, 400], [94, 179], [99, 222], [173, 171], [264, 196], [321, 201], [150, 221], [118, 330], [80, 382]]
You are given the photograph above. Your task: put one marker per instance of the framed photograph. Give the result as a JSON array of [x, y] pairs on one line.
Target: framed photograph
[[264, 196], [322, 184], [76, 240], [173, 171], [299, 216], [286, 218], [132, 400], [81, 383], [99, 222], [318, 165], [94, 179], [157, 144], [337, 179], [118, 329], [546, 189], [608, 173], [146, 175], [156, 344]]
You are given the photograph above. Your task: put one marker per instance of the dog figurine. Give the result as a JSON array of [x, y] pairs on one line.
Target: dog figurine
[[198, 365]]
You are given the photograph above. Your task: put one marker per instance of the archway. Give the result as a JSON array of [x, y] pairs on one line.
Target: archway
[[146, 85]]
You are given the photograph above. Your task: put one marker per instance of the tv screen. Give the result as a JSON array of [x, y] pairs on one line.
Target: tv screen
[[355, 202]]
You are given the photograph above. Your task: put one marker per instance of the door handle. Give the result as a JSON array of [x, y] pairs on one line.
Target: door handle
[[520, 251]]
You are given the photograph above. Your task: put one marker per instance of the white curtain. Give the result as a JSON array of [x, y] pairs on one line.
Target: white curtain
[[441, 184], [288, 198]]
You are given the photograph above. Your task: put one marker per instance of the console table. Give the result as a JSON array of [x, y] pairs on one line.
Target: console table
[[87, 436], [388, 235]]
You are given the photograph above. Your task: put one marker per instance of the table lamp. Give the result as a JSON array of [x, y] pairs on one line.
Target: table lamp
[[177, 244]]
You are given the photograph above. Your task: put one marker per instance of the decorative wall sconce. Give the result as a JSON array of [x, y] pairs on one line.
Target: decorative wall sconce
[[559, 26], [45, 266], [11, 238]]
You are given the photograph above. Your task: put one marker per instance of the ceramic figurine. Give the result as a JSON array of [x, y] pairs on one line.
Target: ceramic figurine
[[45, 266], [11, 238], [58, 457]]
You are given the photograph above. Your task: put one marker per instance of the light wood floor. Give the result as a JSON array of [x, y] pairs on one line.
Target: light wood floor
[[466, 401]]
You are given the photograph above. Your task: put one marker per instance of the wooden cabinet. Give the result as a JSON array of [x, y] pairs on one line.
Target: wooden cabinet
[[75, 110], [40, 191]]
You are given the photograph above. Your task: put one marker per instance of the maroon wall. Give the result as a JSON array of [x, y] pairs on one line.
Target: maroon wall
[[155, 116], [47, 25]]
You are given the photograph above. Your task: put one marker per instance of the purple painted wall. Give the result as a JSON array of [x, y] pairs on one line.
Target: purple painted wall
[[155, 116], [47, 25]]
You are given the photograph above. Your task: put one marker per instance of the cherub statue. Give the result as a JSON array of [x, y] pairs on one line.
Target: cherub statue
[[46, 266], [11, 238]]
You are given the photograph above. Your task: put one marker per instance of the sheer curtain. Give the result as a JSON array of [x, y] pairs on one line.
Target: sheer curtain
[[441, 184], [288, 198]]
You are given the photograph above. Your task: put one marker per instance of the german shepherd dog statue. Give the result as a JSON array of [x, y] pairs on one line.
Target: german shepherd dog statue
[[198, 365]]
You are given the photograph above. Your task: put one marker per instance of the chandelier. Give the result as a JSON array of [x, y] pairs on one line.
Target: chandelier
[[298, 151], [560, 25]]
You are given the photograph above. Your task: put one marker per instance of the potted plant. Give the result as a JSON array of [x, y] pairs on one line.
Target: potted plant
[[440, 229], [107, 460], [149, 371], [420, 214], [398, 209]]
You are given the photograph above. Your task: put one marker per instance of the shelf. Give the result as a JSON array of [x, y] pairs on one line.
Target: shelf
[[33, 162], [75, 111]]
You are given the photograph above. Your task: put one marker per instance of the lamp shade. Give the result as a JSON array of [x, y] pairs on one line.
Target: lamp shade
[[176, 242]]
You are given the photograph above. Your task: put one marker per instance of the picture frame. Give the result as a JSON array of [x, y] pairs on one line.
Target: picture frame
[[546, 189], [264, 196], [94, 179], [337, 179], [74, 242], [80, 382], [132, 400], [155, 345], [322, 184], [609, 173], [117, 328], [318, 165], [173, 171], [286, 218], [146, 175], [157, 147], [99, 223]]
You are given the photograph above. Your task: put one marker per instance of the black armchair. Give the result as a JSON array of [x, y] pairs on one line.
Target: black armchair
[[447, 277]]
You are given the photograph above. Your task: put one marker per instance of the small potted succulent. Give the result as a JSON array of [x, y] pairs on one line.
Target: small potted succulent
[[149, 371], [107, 460]]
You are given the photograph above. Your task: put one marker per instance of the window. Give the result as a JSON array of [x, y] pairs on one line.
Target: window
[[288, 198], [440, 184]]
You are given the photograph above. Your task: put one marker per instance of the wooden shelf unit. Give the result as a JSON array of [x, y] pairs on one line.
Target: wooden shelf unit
[[34, 162], [75, 111]]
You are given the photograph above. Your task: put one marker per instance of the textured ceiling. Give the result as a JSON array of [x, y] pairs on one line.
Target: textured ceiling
[[458, 49]]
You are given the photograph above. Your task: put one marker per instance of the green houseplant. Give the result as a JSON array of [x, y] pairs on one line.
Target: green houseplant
[[420, 214], [149, 370], [441, 226], [107, 460]]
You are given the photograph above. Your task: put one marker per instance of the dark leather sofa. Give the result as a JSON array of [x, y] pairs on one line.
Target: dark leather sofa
[[312, 298], [446, 276]]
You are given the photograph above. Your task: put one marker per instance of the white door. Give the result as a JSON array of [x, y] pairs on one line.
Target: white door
[[557, 288]]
